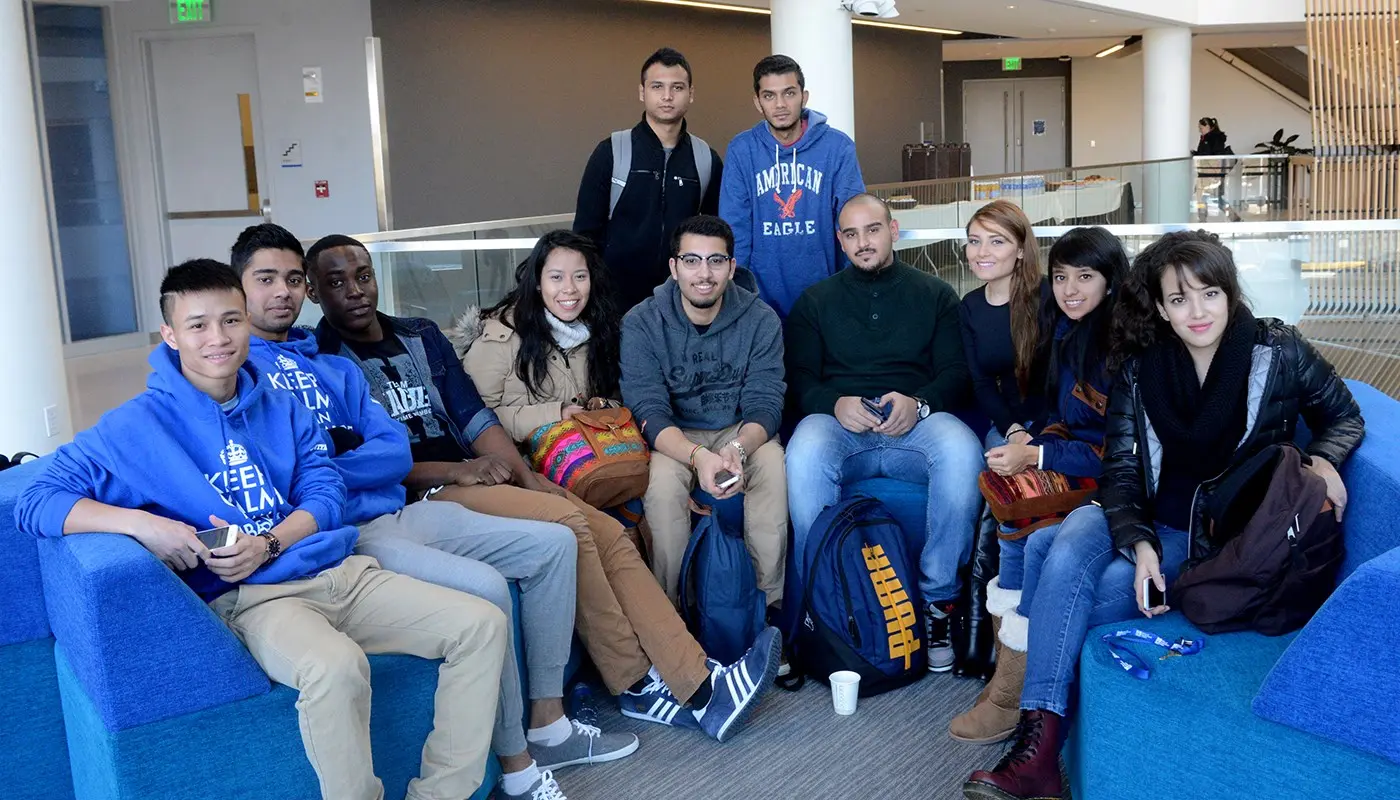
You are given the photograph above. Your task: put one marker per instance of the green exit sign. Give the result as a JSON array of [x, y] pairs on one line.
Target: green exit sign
[[185, 11], [1011, 64]]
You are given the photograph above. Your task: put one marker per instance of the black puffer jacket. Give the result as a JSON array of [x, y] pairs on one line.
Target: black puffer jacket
[[1288, 377]]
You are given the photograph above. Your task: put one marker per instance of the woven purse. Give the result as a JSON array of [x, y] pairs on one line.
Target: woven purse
[[598, 455]]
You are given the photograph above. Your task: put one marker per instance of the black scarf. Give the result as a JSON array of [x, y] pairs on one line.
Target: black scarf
[[1200, 425]]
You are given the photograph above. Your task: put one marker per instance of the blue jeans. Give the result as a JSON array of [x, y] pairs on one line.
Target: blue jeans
[[1074, 580], [939, 450]]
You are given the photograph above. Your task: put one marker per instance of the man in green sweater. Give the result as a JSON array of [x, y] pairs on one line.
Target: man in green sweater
[[876, 365]]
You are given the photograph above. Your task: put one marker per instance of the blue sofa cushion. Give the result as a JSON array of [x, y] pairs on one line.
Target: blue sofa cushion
[[22, 613], [1188, 732], [34, 757], [1372, 478], [1340, 678]]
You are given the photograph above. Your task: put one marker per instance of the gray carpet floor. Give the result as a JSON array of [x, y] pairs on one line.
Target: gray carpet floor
[[896, 746]]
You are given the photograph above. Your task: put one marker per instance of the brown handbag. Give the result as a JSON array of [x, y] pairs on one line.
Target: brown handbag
[[599, 455]]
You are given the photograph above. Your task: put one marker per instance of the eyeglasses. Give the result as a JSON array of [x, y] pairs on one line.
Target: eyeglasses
[[693, 260]]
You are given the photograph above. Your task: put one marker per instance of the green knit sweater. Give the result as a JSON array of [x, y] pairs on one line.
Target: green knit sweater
[[863, 335]]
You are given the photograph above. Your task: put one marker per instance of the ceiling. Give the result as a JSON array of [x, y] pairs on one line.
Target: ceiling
[[1084, 47], [1019, 18]]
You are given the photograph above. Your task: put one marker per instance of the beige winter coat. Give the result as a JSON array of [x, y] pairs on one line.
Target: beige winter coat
[[490, 361]]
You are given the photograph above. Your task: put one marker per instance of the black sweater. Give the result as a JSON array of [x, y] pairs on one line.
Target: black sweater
[[991, 359], [862, 335]]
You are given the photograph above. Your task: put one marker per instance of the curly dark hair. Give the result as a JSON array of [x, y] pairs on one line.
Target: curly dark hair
[[1137, 323], [523, 310], [1088, 343]]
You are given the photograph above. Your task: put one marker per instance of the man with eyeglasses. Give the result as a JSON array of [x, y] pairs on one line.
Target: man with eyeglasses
[[702, 369]]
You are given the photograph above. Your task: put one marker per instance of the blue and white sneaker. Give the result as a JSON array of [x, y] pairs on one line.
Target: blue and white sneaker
[[655, 703], [737, 687]]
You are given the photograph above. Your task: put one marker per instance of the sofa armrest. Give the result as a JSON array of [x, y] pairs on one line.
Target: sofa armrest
[[143, 646], [22, 614], [1338, 678], [1372, 478]]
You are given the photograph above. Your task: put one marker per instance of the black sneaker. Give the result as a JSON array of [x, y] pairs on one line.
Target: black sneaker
[[938, 633]]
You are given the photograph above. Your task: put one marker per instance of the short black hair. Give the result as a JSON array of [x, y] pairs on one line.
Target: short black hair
[[668, 57], [777, 65], [196, 275], [329, 243], [266, 236], [703, 225], [866, 197]]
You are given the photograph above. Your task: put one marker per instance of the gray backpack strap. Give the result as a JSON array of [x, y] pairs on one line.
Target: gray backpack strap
[[622, 167], [704, 164]]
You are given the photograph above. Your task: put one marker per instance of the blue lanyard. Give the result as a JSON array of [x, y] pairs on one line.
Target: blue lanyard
[[1132, 663]]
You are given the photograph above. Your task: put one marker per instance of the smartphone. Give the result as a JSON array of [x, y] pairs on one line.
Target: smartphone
[[872, 404], [725, 479], [1152, 597], [214, 538]]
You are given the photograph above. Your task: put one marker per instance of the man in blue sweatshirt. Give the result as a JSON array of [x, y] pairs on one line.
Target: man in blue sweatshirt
[[784, 184], [229, 450], [441, 542]]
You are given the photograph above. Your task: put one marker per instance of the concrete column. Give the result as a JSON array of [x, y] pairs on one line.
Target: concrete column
[[817, 34], [1167, 130], [31, 360]]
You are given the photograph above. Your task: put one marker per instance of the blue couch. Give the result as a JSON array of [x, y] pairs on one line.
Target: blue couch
[[148, 691], [1307, 715]]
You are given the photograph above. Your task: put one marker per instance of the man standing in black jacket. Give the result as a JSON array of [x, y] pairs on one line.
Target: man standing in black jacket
[[640, 185]]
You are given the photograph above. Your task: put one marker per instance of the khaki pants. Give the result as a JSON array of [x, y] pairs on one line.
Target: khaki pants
[[313, 635], [623, 617], [765, 511]]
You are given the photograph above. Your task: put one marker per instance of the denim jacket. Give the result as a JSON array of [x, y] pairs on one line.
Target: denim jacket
[[454, 397]]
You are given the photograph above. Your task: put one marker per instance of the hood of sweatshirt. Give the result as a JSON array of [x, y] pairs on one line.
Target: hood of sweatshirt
[[668, 306]]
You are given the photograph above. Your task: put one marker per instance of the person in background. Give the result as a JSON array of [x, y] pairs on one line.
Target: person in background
[[1000, 321], [885, 333], [1212, 141], [208, 444], [1086, 266], [1183, 409], [538, 357], [787, 180], [663, 186]]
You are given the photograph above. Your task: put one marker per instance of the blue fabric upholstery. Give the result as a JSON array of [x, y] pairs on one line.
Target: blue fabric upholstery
[[1339, 678], [34, 757], [22, 613]]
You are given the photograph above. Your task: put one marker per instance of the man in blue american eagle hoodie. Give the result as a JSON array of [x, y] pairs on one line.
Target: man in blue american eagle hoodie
[[785, 181], [208, 444], [434, 540]]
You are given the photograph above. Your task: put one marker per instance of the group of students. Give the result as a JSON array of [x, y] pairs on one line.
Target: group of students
[[374, 466]]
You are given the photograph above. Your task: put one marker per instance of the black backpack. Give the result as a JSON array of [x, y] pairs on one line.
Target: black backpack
[[1266, 555], [14, 461]]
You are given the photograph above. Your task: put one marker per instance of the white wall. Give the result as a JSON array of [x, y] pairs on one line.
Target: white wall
[[335, 134], [1107, 108]]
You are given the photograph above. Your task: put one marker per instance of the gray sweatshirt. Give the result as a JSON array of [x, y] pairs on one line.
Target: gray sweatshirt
[[674, 375]]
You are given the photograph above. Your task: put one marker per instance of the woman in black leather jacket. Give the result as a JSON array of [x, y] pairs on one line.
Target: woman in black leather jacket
[[1202, 384]]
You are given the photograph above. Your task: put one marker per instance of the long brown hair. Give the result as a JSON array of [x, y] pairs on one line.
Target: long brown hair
[[1008, 218]]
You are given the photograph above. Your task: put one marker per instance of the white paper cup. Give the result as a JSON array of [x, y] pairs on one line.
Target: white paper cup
[[845, 686]]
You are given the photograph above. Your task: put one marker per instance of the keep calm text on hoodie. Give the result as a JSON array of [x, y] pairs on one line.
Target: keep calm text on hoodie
[[783, 203], [172, 451], [336, 392]]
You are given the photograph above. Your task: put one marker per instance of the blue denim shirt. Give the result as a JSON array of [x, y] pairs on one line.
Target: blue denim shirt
[[454, 397]]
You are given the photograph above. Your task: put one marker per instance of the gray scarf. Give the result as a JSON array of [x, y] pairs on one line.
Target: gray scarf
[[567, 335]]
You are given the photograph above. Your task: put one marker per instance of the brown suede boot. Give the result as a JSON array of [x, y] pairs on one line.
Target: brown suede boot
[[1030, 770], [993, 719]]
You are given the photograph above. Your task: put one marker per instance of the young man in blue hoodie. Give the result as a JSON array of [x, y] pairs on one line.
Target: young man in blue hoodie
[[436, 541], [784, 184], [231, 451]]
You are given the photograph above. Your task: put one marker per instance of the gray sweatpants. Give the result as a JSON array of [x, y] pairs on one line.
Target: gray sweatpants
[[448, 545]]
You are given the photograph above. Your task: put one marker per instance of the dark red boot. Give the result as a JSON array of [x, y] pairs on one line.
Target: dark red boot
[[1030, 770]]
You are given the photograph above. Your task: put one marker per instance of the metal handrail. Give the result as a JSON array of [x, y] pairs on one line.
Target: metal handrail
[[467, 227]]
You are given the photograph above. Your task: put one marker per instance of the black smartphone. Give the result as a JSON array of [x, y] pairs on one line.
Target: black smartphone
[[872, 404], [1152, 597]]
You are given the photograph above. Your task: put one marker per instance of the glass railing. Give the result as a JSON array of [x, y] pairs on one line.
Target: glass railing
[[1246, 188]]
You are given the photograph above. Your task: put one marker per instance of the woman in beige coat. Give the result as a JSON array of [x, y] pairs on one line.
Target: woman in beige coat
[[537, 358]]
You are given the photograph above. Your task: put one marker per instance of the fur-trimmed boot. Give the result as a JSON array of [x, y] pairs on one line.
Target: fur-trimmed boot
[[993, 718]]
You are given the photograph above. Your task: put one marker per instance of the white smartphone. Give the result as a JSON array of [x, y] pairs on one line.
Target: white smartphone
[[214, 538], [725, 479], [1152, 597]]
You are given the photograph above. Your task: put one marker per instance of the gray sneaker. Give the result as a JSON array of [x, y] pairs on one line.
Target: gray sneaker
[[938, 632], [546, 788], [585, 745]]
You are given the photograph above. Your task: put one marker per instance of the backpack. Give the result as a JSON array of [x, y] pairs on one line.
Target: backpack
[[14, 461], [851, 601], [622, 165], [1267, 555], [719, 596]]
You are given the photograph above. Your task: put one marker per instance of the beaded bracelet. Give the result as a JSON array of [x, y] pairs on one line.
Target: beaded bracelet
[[693, 451]]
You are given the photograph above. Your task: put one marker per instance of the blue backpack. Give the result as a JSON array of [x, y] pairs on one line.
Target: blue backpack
[[851, 601], [719, 596]]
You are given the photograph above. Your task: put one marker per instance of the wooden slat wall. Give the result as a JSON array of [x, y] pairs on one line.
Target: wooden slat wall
[[1354, 47]]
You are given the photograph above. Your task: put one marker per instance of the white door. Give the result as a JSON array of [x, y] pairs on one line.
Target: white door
[[1040, 120], [205, 95], [1015, 125]]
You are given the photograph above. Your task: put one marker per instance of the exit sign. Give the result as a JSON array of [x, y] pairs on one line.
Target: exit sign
[[1011, 64], [185, 11]]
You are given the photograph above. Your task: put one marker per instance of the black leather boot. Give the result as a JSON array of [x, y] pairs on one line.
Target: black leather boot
[[978, 653]]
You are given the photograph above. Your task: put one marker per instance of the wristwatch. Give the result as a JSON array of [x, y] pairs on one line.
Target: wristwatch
[[743, 455], [274, 545], [923, 408]]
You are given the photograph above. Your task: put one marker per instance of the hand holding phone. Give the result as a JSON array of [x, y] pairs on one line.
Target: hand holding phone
[[873, 405], [725, 479], [1152, 597], [215, 538]]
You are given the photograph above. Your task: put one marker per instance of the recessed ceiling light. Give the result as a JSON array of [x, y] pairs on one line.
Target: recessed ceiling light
[[1093, 20], [1110, 51], [755, 10], [1050, 30]]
